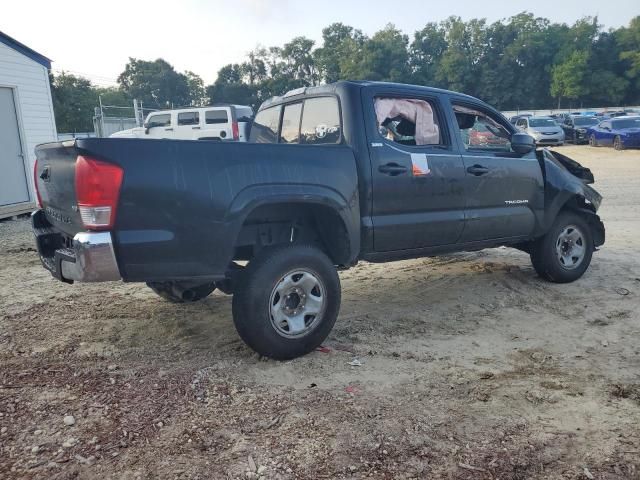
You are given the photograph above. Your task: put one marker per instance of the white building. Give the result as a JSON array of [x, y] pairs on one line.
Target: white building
[[26, 119]]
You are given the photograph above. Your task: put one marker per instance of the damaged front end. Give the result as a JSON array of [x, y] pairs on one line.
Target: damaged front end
[[567, 186]]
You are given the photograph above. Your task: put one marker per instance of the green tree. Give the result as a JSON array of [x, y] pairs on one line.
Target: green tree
[[74, 100], [197, 92], [567, 77], [341, 44], [628, 40], [383, 57], [155, 83], [426, 51]]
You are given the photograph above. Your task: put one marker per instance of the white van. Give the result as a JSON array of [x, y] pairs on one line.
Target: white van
[[217, 122]]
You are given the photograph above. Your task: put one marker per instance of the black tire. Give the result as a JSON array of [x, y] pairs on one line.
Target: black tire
[[575, 138], [253, 302], [545, 257], [179, 292], [617, 143], [592, 141]]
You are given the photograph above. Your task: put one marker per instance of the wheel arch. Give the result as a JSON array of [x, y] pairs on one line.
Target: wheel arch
[[297, 213]]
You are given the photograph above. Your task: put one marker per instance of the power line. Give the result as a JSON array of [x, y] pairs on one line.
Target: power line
[[99, 80]]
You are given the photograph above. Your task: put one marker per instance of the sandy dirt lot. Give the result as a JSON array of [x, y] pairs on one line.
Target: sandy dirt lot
[[471, 368]]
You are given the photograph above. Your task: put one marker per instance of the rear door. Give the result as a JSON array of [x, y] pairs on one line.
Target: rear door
[[503, 190], [244, 117], [417, 173], [187, 125]]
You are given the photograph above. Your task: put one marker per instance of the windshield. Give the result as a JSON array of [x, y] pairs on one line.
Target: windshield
[[581, 122], [541, 122], [627, 123]]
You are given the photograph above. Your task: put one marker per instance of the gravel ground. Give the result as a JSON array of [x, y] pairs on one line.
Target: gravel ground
[[471, 368]]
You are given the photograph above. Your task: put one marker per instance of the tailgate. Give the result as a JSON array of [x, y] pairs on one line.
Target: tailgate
[[55, 178]]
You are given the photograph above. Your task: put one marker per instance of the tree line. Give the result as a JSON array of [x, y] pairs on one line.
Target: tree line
[[521, 62]]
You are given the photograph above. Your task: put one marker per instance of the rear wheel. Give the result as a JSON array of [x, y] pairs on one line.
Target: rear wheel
[[182, 292], [287, 301], [617, 143], [564, 253]]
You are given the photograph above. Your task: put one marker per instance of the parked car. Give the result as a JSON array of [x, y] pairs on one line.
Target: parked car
[[544, 130], [620, 133], [332, 175], [217, 122], [480, 135], [575, 128]]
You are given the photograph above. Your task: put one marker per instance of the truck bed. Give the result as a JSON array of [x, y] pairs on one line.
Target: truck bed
[[182, 202]]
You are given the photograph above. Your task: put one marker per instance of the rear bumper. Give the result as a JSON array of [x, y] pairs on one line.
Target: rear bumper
[[88, 257]]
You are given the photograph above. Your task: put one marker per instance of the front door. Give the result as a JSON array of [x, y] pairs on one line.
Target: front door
[[504, 191], [13, 179], [417, 175]]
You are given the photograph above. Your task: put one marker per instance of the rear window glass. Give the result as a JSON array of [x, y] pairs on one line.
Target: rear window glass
[[320, 121], [244, 114], [216, 116], [541, 122], [188, 118], [265, 126], [163, 120], [627, 123], [290, 132]]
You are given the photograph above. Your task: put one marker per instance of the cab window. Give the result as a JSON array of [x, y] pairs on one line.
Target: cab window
[[320, 121], [162, 120], [265, 126], [188, 118], [481, 130], [290, 130], [407, 121]]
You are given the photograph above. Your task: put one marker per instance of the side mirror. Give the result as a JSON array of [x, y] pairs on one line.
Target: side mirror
[[146, 126], [521, 143]]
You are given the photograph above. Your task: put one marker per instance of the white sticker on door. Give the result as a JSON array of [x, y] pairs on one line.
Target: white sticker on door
[[420, 165]]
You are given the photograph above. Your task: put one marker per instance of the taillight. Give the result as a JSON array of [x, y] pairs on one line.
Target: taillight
[[235, 130], [35, 185], [97, 190]]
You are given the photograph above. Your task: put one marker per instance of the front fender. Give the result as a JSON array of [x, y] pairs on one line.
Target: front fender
[[564, 190]]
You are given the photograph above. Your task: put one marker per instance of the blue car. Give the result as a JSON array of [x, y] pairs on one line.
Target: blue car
[[621, 133]]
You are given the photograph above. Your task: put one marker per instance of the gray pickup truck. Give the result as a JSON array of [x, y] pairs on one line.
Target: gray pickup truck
[[332, 175]]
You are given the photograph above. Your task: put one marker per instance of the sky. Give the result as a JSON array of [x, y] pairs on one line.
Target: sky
[[95, 38]]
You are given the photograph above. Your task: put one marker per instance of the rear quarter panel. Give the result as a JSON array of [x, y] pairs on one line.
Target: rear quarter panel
[[182, 203]]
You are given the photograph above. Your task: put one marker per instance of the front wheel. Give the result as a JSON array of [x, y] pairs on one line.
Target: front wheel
[[592, 141], [287, 301], [564, 253]]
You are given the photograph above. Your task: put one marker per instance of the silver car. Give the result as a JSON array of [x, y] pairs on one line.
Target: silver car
[[545, 130]]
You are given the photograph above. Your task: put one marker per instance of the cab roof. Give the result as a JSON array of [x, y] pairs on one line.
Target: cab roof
[[332, 88]]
